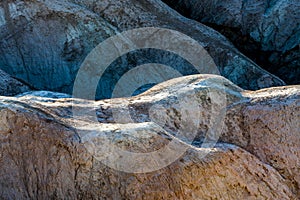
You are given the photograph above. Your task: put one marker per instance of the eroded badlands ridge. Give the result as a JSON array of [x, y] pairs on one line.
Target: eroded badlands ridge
[[48, 152], [266, 31], [44, 42]]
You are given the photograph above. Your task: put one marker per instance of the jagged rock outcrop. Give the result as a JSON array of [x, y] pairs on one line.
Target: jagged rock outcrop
[[44, 42], [57, 148], [266, 31], [10, 86]]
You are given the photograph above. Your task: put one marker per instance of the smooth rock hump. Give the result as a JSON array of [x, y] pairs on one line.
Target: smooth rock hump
[[48, 152]]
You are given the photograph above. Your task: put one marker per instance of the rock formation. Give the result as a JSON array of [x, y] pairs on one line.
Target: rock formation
[[57, 148], [266, 31], [45, 42], [267, 125], [203, 136], [10, 86]]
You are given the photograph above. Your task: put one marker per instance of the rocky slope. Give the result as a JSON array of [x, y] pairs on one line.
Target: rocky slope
[[45, 42], [266, 31], [76, 149], [192, 137], [10, 86]]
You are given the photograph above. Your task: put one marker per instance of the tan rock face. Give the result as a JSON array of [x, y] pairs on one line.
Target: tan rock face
[[268, 126], [48, 152]]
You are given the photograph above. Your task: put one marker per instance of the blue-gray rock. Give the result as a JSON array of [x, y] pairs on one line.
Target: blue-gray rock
[[45, 94], [10, 86], [268, 31], [45, 42]]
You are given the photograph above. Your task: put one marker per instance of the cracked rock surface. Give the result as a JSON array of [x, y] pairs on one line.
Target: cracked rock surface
[[10, 86], [268, 31], [44, 42], [48, 152]]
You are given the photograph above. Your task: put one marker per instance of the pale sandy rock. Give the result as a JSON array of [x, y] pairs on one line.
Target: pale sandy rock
[[45, 159], [48, 152], [268, 126]]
